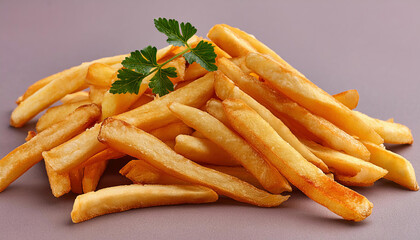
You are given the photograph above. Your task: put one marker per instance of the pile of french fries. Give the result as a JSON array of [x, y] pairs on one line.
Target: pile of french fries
[[249, 131]]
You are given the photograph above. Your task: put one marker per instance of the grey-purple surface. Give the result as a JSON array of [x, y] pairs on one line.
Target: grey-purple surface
[[371, 46]]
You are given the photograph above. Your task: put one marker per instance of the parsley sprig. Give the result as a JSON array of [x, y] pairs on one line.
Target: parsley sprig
[[143, 63]]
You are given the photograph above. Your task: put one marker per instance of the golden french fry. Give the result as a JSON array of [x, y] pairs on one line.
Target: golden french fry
[[76, 176], [349, 98], [56, 114], [59, 183], [179, 64], [170, 131], [96, 94], [233, 144], [399, 169], [310, 96], [194, 71], [36, 86], [225, 88], [197, 134], [62, 84], [17, 162], [144, 98], [142, 145], [123, 198], [302, 174], [91, 175], [102, 156], [150, 116], [347, 169], [100, 75], [140, 172], [243, 43], [203, 151], [75, 97], [283, 106], [215, 108], [391, 132]]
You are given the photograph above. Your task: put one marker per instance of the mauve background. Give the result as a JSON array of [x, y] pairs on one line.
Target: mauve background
[[372, 46]]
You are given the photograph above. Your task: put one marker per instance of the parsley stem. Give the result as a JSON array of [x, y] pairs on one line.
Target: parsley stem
[[163, 64]]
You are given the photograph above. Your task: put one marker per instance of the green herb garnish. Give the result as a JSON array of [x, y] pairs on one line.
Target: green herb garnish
[[141, 64]]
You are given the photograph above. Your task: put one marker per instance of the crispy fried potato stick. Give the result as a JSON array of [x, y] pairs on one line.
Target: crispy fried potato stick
[[391, 132], [100, 75], [60, 183], [233, 144], [281, 105], [144, 98], [36, 86], [75, 97], [197, 134], [203, 151], [76, 176], [179, 64], [56, 114], [141, 172], [62, 84], [399, 169], [102, 156], [171, 131], [96, 94], [349, 98], [91, 175], [215, 108], [225, 88], [194, 71], [347, 169], [126, 138], [17, 162], [123, 198], [150, 116], [310, 96], [305, 176]]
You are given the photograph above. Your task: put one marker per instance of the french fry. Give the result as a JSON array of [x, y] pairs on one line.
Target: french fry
[[203, 151], [305, 176], [399, 169], [123, 198], [56, 114], [226, 89], [349, 98], [144, 98], [30, 135], [36, 86], [76, 176], [170, 131], [215, 108], [347, 169], [179, 64], [233, 144], [141, 172], [391, 132], [281, 105], [102, 156], [310, 96], [150, 116], [197, 134], [60, 183], [91, 175], [194, 71], [126, 138], [100, 75], [243, 43], [96, 94], [17, 162], [75, 97], [62, 84]]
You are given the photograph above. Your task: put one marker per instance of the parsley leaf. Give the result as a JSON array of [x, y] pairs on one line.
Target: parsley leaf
[[129, 82], [142, 61], [204, 55], [160, 83], [171, 29]]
